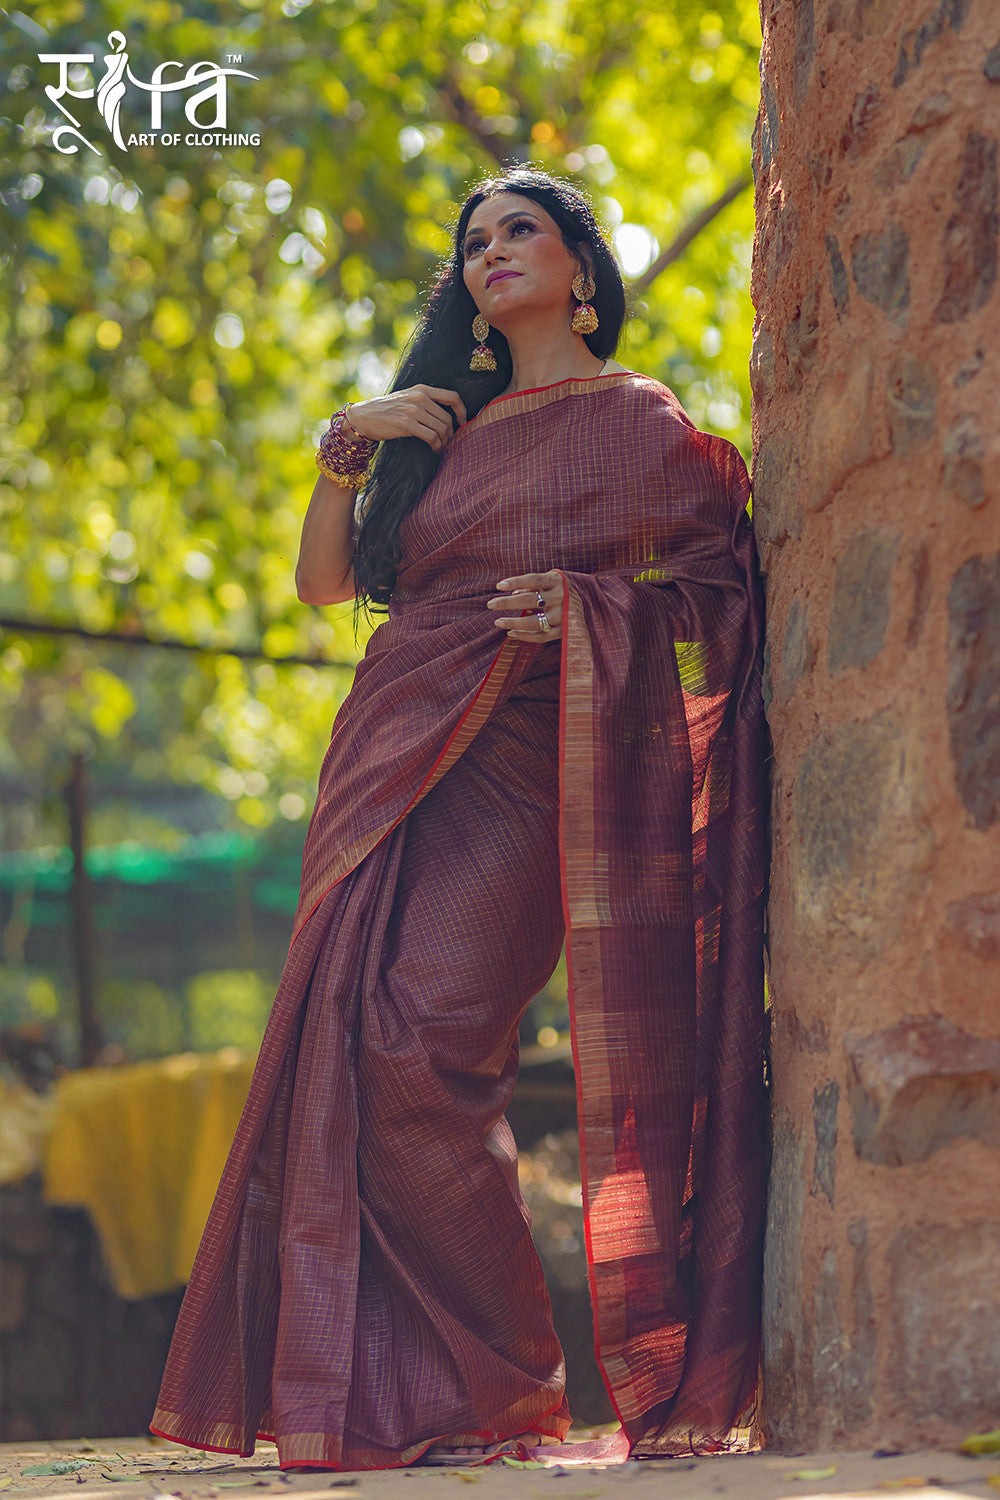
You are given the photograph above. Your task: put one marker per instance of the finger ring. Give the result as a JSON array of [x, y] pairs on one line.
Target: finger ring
[[543, 620], [541, 599]]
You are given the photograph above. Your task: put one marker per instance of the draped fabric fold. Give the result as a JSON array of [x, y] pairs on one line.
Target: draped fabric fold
[[663, 862], [366, 1284]]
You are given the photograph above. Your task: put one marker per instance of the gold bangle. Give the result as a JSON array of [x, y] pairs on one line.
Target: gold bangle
[[354, 481]]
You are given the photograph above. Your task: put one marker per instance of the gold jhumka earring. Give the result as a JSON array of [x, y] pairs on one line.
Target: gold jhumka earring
[[483, 357], [584, 317]]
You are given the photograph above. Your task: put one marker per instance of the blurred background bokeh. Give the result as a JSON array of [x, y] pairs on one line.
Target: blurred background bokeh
[[180, 322]]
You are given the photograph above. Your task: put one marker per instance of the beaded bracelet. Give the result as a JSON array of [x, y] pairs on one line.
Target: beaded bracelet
[[342, 458]]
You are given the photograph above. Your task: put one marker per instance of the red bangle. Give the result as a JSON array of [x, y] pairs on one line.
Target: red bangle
[[344, 459]]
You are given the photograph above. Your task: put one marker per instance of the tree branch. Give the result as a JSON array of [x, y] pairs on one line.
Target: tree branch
[[463, 113], [19, 626], [693, 228]]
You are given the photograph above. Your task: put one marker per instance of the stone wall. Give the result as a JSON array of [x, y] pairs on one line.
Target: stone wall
[[876, 377]]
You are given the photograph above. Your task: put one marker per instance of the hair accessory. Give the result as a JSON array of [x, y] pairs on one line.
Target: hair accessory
[[584, 317], [483, 357], [343, 454]]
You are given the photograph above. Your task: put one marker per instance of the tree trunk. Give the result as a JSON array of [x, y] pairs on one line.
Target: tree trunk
[[876, 377]]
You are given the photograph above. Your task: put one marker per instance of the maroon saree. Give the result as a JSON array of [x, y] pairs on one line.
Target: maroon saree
[[366, 1284]]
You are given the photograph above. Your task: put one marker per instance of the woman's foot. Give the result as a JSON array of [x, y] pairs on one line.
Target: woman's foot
[[446, 1453]]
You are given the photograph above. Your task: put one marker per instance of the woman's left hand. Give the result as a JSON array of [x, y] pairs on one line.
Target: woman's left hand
[[522, 593]]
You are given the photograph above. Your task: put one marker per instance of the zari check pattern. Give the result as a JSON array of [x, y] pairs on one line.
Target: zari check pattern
[[367, 1284]]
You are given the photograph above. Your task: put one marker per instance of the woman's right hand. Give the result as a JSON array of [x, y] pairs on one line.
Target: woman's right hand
[[416, 411]]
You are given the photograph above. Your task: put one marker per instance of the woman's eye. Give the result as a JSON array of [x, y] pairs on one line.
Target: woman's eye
[[472, 246]]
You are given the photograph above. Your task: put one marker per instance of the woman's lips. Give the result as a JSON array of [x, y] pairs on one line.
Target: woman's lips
[[500, 276]]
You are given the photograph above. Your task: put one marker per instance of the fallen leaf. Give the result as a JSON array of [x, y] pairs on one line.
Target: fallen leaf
[[5, 1482], [469, 1478], [982, 1442], [908, 1482], [521, 1463], [63, 1466], [994, 1480], [814, 1473]]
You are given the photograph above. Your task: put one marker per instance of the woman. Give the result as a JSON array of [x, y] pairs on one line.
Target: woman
[[557, 730]]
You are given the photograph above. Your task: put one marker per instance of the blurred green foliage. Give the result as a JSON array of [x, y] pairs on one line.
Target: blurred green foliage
[[184, 320]]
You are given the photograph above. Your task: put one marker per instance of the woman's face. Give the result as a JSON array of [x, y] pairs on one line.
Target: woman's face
[[514, 260]]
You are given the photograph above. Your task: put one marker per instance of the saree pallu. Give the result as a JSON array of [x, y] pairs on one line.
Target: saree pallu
[[366, 1284]]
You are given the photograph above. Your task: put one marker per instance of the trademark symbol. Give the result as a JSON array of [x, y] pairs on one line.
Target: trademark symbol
[[234, 57]]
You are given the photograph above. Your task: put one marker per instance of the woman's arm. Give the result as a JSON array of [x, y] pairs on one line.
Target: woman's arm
[[323, 573]]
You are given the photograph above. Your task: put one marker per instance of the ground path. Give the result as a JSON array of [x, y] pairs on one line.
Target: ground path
[[156, 1470]]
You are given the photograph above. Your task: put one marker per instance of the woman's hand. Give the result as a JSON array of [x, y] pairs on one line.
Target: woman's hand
[[522, 593], [418, 411]]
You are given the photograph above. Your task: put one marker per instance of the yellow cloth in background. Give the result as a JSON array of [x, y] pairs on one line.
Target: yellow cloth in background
[[142, 1148]]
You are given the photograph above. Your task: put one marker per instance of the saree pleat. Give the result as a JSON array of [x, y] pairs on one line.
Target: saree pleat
[[383, 1199], [367, 1283]]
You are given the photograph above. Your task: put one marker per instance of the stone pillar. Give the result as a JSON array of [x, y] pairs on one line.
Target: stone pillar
[[876, 378]]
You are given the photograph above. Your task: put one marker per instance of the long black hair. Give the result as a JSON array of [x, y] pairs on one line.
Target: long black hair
[[438, 353]]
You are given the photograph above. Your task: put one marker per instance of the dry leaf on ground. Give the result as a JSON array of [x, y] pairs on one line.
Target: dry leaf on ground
[[62, 1466], [979, 1443]]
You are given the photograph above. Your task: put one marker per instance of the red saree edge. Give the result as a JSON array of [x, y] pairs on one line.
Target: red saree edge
[[492, 409], [203, 1447], [532, 390], [416, 796], [564, 888], [295, 1464], [314, 1464]]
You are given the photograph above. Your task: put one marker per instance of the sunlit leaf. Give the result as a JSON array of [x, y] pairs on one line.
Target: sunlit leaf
[[982, 1442]]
